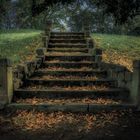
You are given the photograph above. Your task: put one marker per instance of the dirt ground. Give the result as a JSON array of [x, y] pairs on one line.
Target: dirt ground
[[24, 125]]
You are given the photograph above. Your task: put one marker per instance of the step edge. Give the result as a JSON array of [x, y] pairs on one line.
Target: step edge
[[68, 44], [58, 90], [87, 55], [70, 63], [72, 107], [44, 71], [87, 80]]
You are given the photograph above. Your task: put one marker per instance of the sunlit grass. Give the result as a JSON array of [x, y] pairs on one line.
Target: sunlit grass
[[16, 43], [129, 45], [119, 49]]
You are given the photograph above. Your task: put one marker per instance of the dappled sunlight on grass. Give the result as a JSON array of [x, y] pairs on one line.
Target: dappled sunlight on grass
[[17, 35], [118, 42], [16, 44]]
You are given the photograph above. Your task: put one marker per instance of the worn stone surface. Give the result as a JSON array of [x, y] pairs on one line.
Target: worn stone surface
[[121, 76], [45, 40], [135, 91], [136, 64], [17, 83], [128, 76], [98, 51], [40, 51], [98, 58], [6, 81], [90, 43], [51, 107], [2, 105]]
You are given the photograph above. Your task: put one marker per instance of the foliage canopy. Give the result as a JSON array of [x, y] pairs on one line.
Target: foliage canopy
[[121, 9]]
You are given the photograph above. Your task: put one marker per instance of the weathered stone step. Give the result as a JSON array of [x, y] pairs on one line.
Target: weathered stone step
[[68, 41], [71, 82], [48, 77], [67, 45], [67, 69], [68, 73], [61, 101], [84, 50], [66, 54], [67, 33], [75, 108], [71, 64], [110, 93], [67, 37], [71, 58]]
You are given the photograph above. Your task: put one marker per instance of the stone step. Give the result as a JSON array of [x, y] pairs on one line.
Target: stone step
[[74, 108], [70, 64], [69, 73], [75, 69], [70, 77], [71, 58], [66, 54], [67, 33], [66, 45], [110, 93], [71, 82], [84, 50], [82, 41], [67, 37]]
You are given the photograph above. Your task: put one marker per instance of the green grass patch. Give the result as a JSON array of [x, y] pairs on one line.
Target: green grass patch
[[119, 49], [16, 43], [128, 45]]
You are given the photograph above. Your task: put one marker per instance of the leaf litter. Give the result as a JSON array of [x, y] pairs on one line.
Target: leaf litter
[[36, 101], [67, 88], [34, 121]]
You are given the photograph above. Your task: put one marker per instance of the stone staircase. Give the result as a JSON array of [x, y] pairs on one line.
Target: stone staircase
[[70, 80]]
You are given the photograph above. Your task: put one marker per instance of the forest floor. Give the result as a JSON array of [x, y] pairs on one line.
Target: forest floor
[[24, 125]]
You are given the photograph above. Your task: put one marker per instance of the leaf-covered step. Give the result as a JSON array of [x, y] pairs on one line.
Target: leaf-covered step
[[65, 53], [75, 108], [67, 41], [67, 33], [81, 73], [48, 77], [36, 101], [84, 50], [67, 45], [59, 61], [71, 58], [67, 68], [72, 82], [67, 37], [71, 64], [71, 92]]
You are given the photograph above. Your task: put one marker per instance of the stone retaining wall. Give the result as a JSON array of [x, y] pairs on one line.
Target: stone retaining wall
[[125, 78], [6, 81]]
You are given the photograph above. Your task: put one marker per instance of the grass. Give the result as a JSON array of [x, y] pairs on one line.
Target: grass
[[16, 44], [120, 49]]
